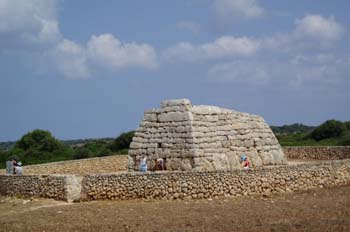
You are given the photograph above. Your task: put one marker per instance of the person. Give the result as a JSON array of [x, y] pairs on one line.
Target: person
[[246, 163], [143, 164], [243, 156], [9, 167], [18, 168], [14, 165], [160, 164]]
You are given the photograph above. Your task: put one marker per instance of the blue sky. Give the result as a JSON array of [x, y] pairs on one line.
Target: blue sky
[[88, 69]]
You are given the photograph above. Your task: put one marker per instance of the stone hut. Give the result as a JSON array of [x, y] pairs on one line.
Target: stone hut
[[203, 138]]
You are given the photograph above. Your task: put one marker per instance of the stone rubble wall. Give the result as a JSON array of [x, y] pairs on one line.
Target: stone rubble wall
[[317, 153], [197, 185], [53, 186], [106, 164], [203, 138]]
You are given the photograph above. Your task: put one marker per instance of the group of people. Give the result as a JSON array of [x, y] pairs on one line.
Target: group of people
[[160, 163], [158, 166], [14, 167]]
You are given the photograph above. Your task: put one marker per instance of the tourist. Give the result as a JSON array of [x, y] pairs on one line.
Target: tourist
[[143, 164], [14, 165], [19, 170], [9, 167], [160, 164], [246, 163]]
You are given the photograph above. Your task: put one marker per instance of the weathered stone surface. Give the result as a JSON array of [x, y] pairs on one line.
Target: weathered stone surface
[[195, 185], [212, 132]]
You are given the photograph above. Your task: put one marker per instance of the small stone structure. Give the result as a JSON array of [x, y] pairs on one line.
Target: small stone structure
[[203, 138]]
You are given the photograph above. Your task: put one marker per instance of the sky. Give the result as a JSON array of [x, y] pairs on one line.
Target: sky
[[89, 69]]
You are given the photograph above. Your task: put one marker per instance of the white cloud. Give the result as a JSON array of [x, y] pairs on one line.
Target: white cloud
[[318, 27], [189, 26], [311, 31], [28, 23], [31, 26], [107, 50], [227, 11], [226, 46], [247, 72], [71, 60], [319, 70]]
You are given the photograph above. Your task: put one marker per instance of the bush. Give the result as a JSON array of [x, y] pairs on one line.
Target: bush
[[347, 124], [122, 142], [104, 152], [82, 153], [329, 129]]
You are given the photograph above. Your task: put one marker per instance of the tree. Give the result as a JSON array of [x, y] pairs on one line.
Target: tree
[[329, 129], [122, 141], [39, 140]]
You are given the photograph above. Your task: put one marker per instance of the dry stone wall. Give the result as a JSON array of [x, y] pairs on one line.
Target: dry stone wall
[[34, 185], [203, 138], [317, 153], [106, 164], [196, 185], [179, 184]]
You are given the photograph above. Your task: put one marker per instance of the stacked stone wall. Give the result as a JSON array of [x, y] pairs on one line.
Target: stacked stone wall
[[196, 185], [108, 164], [34, 185], [317, 153]]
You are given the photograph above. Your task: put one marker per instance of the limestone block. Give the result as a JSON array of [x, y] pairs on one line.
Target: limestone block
[[175, 116], [220, 162], [202, 164], [176, 108], [150, 117], [211, 118], [266, 158], [233, 159], [254, 157], [175, 102]]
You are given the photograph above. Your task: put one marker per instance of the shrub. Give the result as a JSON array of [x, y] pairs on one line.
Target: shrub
[[122, 141], [104, 152], [347, 124], [82, 153], [329, 129]]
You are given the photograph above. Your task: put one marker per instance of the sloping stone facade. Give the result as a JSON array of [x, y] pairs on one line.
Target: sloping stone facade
[[202, 138]]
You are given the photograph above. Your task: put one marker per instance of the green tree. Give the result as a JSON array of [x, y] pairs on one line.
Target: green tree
[[122, 141], [38, 140], [329, 129]]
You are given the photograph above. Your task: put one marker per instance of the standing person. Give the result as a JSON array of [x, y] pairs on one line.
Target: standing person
[[160, 164], [19, 170], [143, 164], [14, 165], [9, 167]]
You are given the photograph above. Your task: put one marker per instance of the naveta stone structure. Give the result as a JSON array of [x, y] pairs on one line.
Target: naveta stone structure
[[202, 138]]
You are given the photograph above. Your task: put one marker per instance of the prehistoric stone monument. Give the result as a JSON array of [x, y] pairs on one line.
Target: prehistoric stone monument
[[202, 138]]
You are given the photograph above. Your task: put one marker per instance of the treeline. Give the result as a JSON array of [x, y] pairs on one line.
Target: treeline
[[39, 146], [329, 133]]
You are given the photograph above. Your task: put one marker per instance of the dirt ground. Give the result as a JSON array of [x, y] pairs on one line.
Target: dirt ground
[[316, 210]]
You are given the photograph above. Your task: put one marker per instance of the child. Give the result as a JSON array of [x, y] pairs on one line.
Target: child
[[246, 163]]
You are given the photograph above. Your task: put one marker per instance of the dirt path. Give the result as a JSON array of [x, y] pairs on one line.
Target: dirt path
[[316, 210]]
